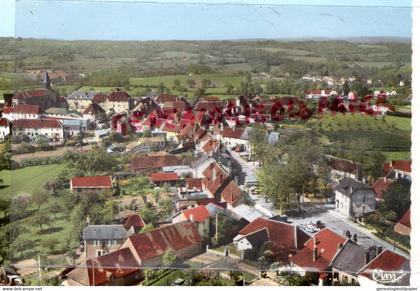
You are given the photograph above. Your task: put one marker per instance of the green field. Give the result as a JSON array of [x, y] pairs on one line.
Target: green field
[[397, 155], [27, 179]]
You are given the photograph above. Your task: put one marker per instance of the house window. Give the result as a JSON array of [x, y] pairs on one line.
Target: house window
[[99, 253]]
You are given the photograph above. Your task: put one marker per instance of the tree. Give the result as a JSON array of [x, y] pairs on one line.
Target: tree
[[257, 140], [169, 258], [40, 219], [77, 221], [292, 173], [50, 244], [397, 197], [226, 228], [5, 155], [5, 206], [21, 244], [39, 198]]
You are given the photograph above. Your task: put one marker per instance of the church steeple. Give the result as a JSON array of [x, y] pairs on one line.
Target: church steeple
[[47, 81]]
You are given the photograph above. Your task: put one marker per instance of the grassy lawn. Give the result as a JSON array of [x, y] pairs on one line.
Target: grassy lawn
[[58, 229], [402, 123], [220, 80], [388, 134], [27, 179], [397, 155]]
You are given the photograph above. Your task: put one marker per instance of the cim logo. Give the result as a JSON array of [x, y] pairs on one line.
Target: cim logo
[[385, 277]]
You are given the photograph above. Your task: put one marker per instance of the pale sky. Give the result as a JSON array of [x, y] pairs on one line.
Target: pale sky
[[240, 19]]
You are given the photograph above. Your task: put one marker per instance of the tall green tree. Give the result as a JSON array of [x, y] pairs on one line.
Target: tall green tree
[[398, 197]]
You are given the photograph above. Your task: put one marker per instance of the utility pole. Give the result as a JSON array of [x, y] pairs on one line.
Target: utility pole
[[39, 270]]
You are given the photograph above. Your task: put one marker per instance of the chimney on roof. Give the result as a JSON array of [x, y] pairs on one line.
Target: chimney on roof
[[315, 253], [214, 173], [339, 246], [192, 218], [378, 250], [367, 257]]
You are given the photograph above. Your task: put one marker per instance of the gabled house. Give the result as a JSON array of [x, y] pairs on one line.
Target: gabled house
[[148, 248], [146, 145], [91, 183], [388, 268], [51, 129], [22, 111], [118, 102], [354, 199], [318, 253], [232, 195], [118, 268], [403, 225], [79, 100], [232, 137], [215, 179], [199, 215], [102, 239], [93, 112], [133, 222], [348, 261], [161, 178], [155, 162], [283, 239], [342, 168], [380, 186], [397, 169]]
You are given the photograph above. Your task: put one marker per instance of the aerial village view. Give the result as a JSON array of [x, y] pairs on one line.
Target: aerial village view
[[205, 162]]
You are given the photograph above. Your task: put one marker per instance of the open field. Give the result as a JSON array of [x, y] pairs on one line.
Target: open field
[[27, 179]]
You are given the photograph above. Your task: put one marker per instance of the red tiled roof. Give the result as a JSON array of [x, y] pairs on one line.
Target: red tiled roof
[[162, 177], [343, 165], [194, 182], [186, 131], [31, 93], [199, 213], [231, 193], [36, 123], [210, 146], [99, 98], [327, 248], [385, 261], [162, 98], [4, 122], [119, 264], [214, 177], [119, 96], [405, 219], [172, 237], [155, 161], [380, 186], [232, 133], [134, 220], [26, 109], [283, 235], [94, 109], [207, 105], [402, 165], [92, 182], [170, 127]]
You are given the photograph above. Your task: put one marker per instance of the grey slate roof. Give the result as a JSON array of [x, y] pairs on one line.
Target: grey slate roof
[[112, 231], [257, 238], [350, 259], [78, 95], [349, 186]]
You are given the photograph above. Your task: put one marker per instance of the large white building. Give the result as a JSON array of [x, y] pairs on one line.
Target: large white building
[[52, 129], [22, 111]]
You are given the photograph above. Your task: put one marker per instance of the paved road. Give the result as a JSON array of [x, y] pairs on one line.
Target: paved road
[[340, 224]]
